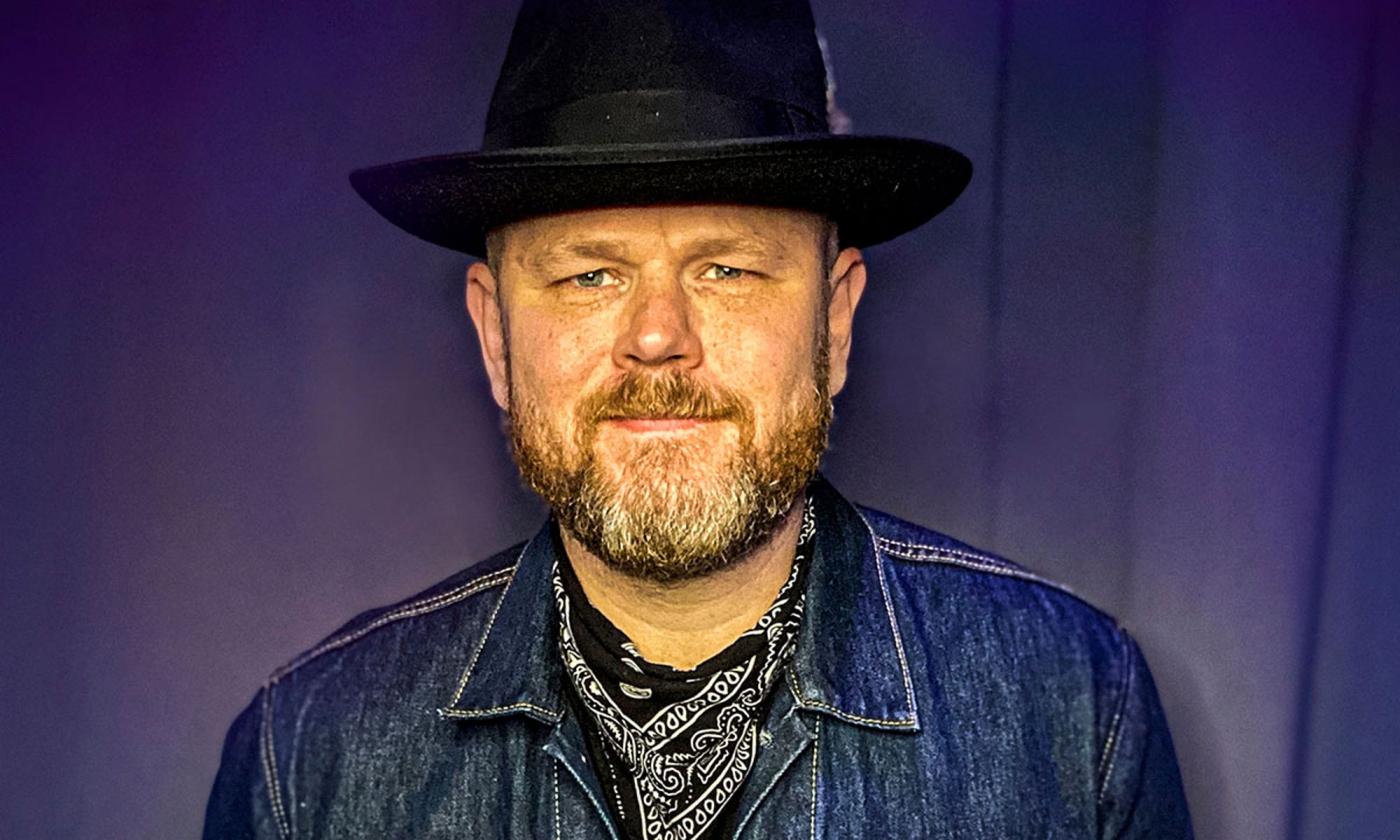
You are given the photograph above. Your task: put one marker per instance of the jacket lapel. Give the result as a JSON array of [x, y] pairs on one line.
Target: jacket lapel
[[850, 661], [515, 668]]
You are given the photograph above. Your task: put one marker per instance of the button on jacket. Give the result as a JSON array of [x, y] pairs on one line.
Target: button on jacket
[[936, 691]]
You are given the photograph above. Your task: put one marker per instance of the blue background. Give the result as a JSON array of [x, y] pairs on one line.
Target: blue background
[[1154, 351]]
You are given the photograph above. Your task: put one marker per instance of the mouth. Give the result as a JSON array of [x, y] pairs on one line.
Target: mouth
[[656, 424]]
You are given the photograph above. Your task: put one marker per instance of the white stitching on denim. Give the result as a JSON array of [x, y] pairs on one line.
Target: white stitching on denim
[[1110, 747], [557, 835], [490, 623], [410, 610], [269, 763], [793, 687], [818, 705], [976, 561], [929, 552], [894, 625], [552, 715], [600, 807], [969, 560], [944, 550], [816, 753], [847, 716], [772, 783], [948, 548]]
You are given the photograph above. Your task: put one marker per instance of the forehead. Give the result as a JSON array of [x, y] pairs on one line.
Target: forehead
[[662, 231]]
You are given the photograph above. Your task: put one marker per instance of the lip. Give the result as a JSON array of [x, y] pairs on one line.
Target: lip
[[659, 424]]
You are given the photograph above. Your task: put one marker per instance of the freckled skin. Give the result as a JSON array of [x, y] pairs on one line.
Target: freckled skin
[[756, 335], [729, 295]]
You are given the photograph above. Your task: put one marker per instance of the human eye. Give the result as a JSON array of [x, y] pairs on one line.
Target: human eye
[[594, 279], [724, 272]]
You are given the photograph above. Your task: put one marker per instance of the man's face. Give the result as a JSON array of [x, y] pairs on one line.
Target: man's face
[[667, 371]]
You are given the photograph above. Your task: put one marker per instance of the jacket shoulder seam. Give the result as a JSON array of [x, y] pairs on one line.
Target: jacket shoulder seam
[[974, 560], [1109, 756], [268, 748], [411, 609], [978, 561]]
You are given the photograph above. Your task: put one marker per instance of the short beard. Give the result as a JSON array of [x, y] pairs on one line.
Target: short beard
[[655, 524]]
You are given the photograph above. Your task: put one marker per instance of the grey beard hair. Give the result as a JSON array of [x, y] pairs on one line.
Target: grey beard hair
[[666, 531], [669, 533]]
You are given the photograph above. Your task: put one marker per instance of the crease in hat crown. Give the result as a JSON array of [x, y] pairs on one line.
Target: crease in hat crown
[[657, 71], [632, 102]]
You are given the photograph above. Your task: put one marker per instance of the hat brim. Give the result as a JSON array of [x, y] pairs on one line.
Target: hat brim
[[874, 188]]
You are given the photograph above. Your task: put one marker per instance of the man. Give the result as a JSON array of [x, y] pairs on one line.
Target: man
[[706, 639]]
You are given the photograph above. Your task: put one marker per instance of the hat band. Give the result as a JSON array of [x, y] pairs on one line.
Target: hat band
[[652, 116]]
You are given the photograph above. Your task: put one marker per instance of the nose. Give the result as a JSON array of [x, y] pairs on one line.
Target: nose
[[658, 328]]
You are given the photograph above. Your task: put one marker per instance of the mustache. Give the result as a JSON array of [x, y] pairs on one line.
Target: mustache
[[672, 395]]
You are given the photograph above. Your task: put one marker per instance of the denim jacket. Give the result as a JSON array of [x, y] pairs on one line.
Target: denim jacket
[[936, 691]]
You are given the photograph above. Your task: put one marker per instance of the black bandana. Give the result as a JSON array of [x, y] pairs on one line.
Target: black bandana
[[674, 747]]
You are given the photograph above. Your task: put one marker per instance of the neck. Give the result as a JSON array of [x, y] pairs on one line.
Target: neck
[[682, 624]]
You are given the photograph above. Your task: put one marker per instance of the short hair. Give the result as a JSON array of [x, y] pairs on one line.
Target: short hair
[[493, 253], [831, 244]]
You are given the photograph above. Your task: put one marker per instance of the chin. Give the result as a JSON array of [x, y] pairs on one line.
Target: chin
[[665, 460]]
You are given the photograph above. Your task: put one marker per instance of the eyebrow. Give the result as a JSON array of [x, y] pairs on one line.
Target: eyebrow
[[605, 250], [743, 246], [614, 251]]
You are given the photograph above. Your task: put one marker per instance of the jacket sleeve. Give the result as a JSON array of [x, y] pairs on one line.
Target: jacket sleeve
[[239, 807], [1140, 792]]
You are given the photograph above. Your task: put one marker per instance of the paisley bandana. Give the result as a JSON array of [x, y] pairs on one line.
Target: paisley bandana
[[675, 746]]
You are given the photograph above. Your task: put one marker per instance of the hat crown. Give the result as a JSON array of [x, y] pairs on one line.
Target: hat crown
[[609, 103], [587, 72]]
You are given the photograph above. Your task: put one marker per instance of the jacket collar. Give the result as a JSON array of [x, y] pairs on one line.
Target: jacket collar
[[515, 668], [849, 662]]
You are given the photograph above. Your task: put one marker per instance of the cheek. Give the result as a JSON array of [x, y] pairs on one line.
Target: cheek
[[554, 362], [768, 359]]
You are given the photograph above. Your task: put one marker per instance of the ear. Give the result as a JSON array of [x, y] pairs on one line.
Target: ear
[[847, 283], [483, 305]]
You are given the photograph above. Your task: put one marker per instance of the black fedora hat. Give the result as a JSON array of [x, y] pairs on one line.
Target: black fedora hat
[[626, 102]]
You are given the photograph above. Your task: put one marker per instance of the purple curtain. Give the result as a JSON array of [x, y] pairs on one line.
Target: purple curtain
[[1154, 351]]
